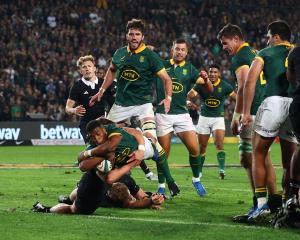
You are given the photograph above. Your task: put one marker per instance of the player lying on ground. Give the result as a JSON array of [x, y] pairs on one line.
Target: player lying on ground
[[93, 192]]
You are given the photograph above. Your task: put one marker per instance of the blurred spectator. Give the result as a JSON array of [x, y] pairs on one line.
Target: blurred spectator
[[40, 41]]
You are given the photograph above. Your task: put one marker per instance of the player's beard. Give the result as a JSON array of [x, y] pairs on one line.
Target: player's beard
[[137, 44]]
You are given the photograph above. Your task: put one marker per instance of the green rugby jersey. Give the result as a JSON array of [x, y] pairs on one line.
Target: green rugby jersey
[[136, 72], [244, 57], [183, 76], [212, 104], [275, 65], [126, 146]]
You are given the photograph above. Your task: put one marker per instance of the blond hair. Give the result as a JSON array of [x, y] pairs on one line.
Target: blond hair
[[86, 58]]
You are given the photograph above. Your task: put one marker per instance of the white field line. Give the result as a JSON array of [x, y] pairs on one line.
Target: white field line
[[38, 166], [164, 221]]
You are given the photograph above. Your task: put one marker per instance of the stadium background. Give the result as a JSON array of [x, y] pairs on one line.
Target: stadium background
[[40, 42]]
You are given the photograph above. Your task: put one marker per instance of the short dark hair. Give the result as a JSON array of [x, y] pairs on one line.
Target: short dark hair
[[93, 125], [99, 122], [230, 30], [281, 28], [214, 65], [180, 41], [136, 24]]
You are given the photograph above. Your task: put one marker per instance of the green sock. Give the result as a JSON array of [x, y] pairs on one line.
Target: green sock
[[202, 159], [195, 163], [163, 168], [160, 173], [221, 159], [260, 192]]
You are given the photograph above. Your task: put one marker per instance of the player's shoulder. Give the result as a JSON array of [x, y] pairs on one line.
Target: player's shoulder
[[121, 50], [77, 83]]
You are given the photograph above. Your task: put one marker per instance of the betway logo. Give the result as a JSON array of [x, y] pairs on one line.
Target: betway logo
[[9, 133], [60, 132]]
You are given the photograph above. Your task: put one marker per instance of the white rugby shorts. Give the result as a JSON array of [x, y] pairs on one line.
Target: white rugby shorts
[[166, 123]]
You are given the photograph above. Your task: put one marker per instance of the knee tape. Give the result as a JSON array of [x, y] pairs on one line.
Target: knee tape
[[245, 146], [150, 126]]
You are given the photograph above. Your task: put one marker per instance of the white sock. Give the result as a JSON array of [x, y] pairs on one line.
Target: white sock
[[161, 185], [149, 174], [261, 201], [196, 179]]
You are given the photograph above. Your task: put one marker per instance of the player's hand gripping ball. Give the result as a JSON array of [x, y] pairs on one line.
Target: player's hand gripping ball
[[105, 166]]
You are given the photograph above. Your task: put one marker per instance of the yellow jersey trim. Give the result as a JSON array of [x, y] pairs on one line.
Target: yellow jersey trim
[[141, 48], [160, 71], [245, 44], [240, 67], [260, 59], [182, 63], [231, 93], [217, 82], [288, 44], [113, 134]]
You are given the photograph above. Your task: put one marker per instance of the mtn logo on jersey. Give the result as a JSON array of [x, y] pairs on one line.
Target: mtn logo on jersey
[[130, 74], [212, 102], [177, 87]]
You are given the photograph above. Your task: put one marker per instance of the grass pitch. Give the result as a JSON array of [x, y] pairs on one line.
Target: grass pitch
[[184, 217]]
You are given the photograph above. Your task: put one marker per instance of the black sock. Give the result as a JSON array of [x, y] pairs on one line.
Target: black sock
[[294, 188], [144, 167]]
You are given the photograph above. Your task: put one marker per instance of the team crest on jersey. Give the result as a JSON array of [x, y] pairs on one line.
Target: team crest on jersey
[[219, 89], [177, 87], [142, 59], [130, 74], [184, 71], [212, 102]]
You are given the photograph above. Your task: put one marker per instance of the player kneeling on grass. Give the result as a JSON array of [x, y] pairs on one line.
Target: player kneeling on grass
[[93, 192]]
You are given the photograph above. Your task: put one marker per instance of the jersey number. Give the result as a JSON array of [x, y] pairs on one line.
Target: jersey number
[[122, 156], [263, 81]]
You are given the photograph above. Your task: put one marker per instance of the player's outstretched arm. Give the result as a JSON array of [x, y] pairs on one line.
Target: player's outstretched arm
[[108, 80], [115, 174]]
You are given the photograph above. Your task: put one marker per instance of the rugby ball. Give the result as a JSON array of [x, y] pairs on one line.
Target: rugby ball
[[105, 166]]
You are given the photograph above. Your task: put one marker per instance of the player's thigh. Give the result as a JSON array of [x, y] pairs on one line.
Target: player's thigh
[[190, 140], [89, 190], [294, 115]]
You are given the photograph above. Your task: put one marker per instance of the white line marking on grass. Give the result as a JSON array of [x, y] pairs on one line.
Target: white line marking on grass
[[165, 221], [152, 220], [168, 221]]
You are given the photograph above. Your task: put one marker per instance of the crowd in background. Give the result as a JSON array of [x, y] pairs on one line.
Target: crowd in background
[[40, 42]]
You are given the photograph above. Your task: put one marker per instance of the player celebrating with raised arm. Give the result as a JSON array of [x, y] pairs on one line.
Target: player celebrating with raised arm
[[232, 39], [183, 75], [211, 119], [272, 116], [137, 68]]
